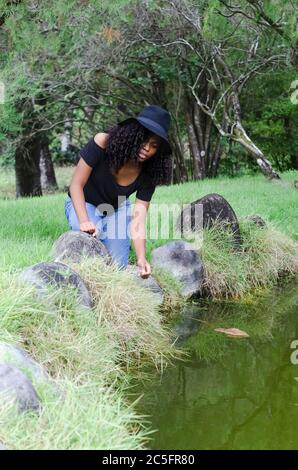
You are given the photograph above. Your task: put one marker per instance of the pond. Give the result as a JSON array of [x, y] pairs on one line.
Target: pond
[[245, 397]]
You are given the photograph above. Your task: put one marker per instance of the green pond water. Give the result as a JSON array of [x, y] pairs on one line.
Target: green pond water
[[246, 396]]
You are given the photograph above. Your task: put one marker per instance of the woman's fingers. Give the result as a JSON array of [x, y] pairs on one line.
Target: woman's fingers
[[89, 227], [145, 269]]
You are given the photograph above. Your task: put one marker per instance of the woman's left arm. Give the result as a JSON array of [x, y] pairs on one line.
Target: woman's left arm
[[138, 235]]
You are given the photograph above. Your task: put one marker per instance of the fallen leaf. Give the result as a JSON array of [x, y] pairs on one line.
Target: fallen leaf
[[232, 332]]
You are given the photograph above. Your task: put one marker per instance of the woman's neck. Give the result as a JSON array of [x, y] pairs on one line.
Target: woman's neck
[[133, 164]]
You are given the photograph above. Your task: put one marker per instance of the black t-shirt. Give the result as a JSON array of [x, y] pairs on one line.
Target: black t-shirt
[[102, 188]]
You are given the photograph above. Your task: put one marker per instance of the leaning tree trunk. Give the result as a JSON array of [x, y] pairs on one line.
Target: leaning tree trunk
[[239, 135], [27, 169], [47, 172], [233, 109]]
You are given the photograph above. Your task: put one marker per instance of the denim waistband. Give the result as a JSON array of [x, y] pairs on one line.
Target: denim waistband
[[125, 202]]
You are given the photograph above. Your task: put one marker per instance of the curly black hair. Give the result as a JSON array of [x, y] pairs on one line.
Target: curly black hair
[[124, 144]]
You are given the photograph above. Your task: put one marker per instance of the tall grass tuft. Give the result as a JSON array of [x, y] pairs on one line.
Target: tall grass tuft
[[85, 416], [66, 340], [82, 397], [266, 255], [130, 312]]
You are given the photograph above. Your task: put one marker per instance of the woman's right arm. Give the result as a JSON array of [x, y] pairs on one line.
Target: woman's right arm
[[78, 181]]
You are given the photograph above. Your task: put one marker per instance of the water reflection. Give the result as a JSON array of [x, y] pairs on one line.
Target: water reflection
[[246, 400]]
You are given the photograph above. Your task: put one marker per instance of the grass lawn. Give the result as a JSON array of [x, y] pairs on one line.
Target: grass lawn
[[89, 356], [30, 225]]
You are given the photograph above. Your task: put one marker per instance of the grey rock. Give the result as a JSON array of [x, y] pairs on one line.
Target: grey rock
[[149, 283], [75, 244], [183, 263], [257, 220], [207, 211], [56, 275], [13, 383], [12, 355]]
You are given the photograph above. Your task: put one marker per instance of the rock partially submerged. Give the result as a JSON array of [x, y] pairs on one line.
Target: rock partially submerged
[[15, 385], [57, 276], [183, 263], [212, 209], [75, 244], [149, 283]]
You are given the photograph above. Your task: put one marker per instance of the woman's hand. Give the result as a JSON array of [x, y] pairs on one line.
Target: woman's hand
[[144, 268], [89, 227]]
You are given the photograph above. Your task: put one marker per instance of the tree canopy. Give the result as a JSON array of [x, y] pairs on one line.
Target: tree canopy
[[223, 69]]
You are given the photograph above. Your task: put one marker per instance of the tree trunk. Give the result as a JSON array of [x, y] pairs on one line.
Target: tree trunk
[[207, 144], [239, 135], [216, 155], [215, 159], [198, 126], [289, 136], [294, 161], [180, 167], [66, 136], [47, 172], [27, 168], [198, 165]]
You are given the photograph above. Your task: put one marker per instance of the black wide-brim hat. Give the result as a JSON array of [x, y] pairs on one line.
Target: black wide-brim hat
[[155, 119]]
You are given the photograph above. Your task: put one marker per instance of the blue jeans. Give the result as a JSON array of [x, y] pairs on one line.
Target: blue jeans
[[112, 228]]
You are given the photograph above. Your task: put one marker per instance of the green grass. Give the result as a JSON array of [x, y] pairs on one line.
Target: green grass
[[264, 257], [7, 180], [274, 201], [37, 222], [87, 416], [31, 225], [90, 357]]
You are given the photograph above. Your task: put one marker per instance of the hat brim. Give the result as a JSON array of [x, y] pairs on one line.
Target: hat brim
[[151, 126]]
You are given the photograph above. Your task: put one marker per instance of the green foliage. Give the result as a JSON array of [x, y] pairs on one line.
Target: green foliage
[[215, 26], [76, 54], [272, 119]]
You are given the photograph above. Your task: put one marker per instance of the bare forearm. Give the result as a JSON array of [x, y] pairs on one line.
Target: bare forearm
[[138, 238], [79, 203], [140, 248]]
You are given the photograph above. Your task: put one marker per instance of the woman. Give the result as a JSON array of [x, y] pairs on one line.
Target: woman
[[134, 155]]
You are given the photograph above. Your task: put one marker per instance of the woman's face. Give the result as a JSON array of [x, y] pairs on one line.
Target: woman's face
[[149, 148]]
